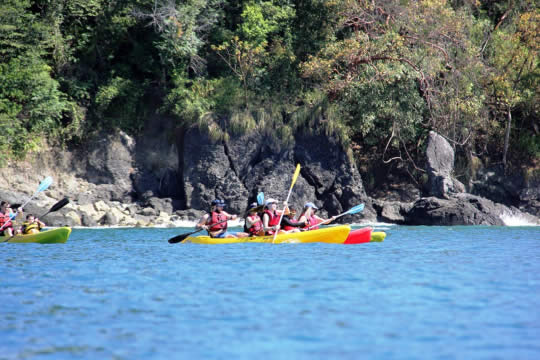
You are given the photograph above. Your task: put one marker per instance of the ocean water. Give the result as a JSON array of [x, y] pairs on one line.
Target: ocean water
[[423, 293]]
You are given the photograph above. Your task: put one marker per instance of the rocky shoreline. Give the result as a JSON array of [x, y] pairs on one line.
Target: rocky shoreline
[[121, 181]]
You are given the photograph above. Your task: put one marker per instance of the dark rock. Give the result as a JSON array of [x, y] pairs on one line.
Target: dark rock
[[160, 204], [461, 209], [190, 214], [492, 183], [208, 174], [393, 212]]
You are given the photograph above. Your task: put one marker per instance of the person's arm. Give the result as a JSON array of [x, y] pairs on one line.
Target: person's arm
[[40, 223], [229, 216], [324, 222], [285, 221], [202, 222]]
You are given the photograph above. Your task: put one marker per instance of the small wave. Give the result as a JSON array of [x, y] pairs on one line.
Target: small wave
[[518, 220]]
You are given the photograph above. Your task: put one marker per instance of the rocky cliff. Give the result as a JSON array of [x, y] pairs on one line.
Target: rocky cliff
[[170, 176]]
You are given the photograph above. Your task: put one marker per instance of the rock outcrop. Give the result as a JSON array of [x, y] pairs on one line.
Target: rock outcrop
[[440, 165], [165, 180]]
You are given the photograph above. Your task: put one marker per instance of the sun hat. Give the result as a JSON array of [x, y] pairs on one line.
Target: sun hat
[[311, 205]]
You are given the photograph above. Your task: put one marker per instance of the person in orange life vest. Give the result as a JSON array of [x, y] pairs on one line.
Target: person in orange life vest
[[309, 217], [32, 225], [216, 222], [5, 219], [271, 217], [289, 223], [253, 225]]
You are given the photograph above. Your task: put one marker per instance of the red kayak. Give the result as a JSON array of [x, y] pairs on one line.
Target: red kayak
[[359, 236]]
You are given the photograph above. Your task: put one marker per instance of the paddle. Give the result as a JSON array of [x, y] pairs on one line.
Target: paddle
[[353, 210], [295, 176], [54, 208], [57, 206], [182, 237], [44, 185], [260, 198]]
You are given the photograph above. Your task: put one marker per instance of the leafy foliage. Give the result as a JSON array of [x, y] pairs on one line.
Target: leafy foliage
[[380, 73]]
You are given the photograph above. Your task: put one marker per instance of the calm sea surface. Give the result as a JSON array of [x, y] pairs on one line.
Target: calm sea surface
[[423, 293]]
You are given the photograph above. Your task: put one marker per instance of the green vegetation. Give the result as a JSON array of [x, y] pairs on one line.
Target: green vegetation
[[375, 74]]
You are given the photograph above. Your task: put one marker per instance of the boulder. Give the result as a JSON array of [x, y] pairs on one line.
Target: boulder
[[440, 165], [392, 211], [460, 209]]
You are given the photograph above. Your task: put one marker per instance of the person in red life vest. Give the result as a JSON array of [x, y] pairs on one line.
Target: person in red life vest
[[254, 225], [311, 220], [271, 217], [6, 215], [289, 222], [216, 222]]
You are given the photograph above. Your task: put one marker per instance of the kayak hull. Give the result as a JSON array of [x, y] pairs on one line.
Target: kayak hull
[[359, 236], [364, 235], [329, 235], [53, 236]]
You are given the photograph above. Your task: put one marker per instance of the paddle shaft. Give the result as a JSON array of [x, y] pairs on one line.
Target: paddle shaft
[[352, 210], [295, 176], [42, 186], [182, 237]]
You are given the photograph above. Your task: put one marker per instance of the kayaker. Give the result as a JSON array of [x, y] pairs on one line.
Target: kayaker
[[216, 222], [6, 215], [32, 225], [253, 225], [271, 217], [289, 222], [310, 219]]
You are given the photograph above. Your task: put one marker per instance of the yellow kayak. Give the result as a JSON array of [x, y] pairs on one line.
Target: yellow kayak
[[53, 236], [330, 235]]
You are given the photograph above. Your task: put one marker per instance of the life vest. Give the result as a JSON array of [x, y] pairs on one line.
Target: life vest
[[287, 227], [30, 228], [257, 226], [273, 220], [5, 221], [215, 219], [311, 221]]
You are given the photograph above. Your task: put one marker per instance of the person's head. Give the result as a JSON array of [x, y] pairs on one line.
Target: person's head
[[30, 218], [218, 205], [270, 204], [309, 207], [290, 212], [4, 205], [252, 209]]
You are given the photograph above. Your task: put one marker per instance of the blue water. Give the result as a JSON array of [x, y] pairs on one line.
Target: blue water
[[423, 293]]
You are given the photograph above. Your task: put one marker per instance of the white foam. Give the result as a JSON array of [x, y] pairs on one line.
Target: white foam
[[518, 220]]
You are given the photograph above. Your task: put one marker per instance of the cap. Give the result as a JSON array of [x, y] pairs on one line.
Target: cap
[[270, 201], [311, 205], [253, 206], [218, 202]]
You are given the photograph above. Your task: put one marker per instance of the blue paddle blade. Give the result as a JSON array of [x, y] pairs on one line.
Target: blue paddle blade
[[356, 209], [260, 198], [45, 184]]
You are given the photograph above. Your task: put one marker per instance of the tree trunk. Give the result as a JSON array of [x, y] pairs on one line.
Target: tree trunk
[[507, 137]]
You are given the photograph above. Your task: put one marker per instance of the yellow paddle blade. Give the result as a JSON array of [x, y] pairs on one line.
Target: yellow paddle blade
[[295, 176]]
